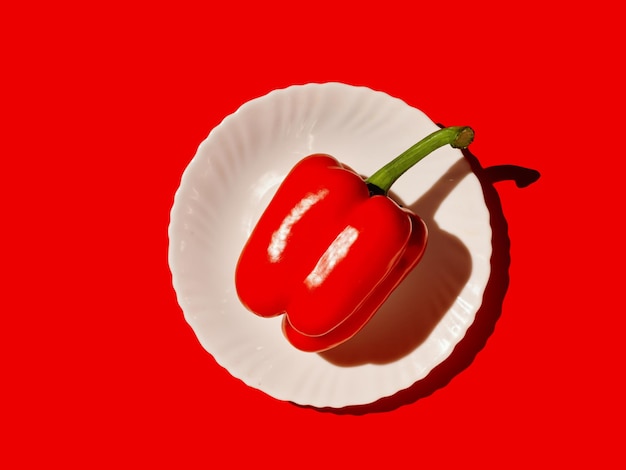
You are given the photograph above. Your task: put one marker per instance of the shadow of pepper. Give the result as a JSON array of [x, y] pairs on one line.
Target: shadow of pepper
[[414, 309], [488, 313]]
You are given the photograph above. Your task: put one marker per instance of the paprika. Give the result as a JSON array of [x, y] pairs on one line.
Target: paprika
[[331, 247]]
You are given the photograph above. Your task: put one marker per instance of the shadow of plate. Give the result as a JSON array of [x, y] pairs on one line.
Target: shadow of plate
[[396, 332]]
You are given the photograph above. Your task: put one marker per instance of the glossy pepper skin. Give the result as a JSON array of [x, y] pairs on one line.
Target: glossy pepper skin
[[328, 251]]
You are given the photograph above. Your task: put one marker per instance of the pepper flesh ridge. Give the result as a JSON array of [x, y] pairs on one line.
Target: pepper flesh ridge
[[326, 254], [361, 316]]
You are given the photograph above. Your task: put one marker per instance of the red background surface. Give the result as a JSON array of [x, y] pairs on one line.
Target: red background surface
[[104, 104]]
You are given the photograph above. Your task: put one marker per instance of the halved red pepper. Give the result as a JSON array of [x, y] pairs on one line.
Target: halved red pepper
[[331, 247]]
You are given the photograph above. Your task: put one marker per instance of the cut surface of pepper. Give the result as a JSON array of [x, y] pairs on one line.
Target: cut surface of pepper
[[331, 247]]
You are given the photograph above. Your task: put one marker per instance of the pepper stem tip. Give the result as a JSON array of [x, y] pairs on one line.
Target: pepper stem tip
[[464, 138]]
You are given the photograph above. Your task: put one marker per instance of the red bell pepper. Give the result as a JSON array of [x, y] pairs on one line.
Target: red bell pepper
[[331, 247]]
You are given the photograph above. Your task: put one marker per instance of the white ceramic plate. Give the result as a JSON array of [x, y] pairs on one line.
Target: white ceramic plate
[[231, 180]]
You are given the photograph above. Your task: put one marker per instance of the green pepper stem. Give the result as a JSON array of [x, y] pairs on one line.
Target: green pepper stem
[[456, 136]]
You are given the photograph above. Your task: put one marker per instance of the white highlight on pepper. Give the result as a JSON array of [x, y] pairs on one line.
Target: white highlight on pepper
[[279, 237], [337, 251]]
